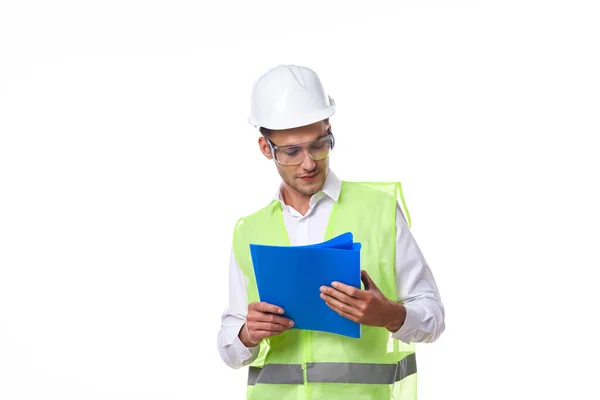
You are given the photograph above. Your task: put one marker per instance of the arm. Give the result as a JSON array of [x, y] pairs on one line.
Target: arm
[[417, 290], [418, 316], [243, 325], [233, 352]]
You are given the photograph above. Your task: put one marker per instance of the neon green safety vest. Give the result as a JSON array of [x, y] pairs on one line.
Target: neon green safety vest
[[300, 364]]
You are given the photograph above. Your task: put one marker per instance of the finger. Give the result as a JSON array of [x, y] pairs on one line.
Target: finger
[[349, 290], [269, 327], [343, 314], [341, 296], [337, 305], [369, 283], [266, 308], [366, 279], [270, 318]]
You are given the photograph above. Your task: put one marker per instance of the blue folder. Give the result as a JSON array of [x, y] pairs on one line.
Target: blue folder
[[291, 277]]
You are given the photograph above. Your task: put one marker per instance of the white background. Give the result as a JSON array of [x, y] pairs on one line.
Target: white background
[[126, 158]]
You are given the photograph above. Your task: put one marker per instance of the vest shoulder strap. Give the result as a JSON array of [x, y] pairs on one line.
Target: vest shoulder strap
[[392, 189]]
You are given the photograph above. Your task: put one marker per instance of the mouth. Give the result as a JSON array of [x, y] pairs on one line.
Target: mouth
[[308, 177]]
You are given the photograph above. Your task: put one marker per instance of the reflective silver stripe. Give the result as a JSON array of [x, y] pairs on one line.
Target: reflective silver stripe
[[276, 373], [407, 366], [383, 374], [362, 372]]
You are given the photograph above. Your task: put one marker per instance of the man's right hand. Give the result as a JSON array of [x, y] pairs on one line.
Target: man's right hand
[[263, 320]]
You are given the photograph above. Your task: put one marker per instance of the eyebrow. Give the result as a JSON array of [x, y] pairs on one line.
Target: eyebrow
[[298, 144]]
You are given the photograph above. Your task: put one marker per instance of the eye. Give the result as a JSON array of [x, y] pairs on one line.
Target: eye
[[291, 152]]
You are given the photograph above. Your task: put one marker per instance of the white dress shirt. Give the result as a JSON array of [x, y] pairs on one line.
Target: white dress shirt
[[415, 284]]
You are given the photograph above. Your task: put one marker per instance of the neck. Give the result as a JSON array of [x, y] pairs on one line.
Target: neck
[[300, 201]]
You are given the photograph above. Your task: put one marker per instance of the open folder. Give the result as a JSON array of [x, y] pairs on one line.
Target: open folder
[[291, 277]]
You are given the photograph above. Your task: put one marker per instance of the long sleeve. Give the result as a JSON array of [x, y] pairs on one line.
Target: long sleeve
[[416, 289], [233, 352]]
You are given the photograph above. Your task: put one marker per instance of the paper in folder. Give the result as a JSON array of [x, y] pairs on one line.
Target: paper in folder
[[291, 277]]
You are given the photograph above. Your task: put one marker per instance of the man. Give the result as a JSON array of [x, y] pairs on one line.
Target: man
[[399, 304]]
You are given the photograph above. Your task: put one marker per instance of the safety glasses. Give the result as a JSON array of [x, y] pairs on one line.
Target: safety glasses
[[296, 153]]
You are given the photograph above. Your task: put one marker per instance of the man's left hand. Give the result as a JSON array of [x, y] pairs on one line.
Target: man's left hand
[[367, 307]]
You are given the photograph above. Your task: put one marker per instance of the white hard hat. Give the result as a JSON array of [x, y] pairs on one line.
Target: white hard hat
[[289, 96]]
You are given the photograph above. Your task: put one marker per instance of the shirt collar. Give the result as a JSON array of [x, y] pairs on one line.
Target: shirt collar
[[331, 188]]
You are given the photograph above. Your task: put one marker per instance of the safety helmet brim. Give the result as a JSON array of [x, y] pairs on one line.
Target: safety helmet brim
[[306, 119]]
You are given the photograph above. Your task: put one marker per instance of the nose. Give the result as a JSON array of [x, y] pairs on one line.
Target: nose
[[308, 163]]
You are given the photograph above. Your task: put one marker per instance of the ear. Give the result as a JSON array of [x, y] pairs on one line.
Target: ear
[[265, 148], [333, 138]]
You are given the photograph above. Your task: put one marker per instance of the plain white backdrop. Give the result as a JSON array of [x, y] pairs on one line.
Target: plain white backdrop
[[126, 159]]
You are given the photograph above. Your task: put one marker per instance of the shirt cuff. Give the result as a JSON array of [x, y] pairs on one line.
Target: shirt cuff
[[247, 354], [411, 325]]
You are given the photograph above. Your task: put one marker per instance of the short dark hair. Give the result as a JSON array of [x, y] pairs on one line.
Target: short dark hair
[[266, 132]]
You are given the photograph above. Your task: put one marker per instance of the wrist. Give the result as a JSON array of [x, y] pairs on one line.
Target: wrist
[[244, 336], [397, 316]]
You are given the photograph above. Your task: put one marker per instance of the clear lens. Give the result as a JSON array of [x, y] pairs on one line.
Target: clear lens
[[294, 155]]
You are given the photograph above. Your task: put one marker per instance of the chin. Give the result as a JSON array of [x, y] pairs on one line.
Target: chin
[[310, 187]]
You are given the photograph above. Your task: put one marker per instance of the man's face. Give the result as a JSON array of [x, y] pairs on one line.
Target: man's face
[[308, 177]]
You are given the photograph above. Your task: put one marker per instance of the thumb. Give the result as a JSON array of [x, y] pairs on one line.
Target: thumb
[[369, 284]]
